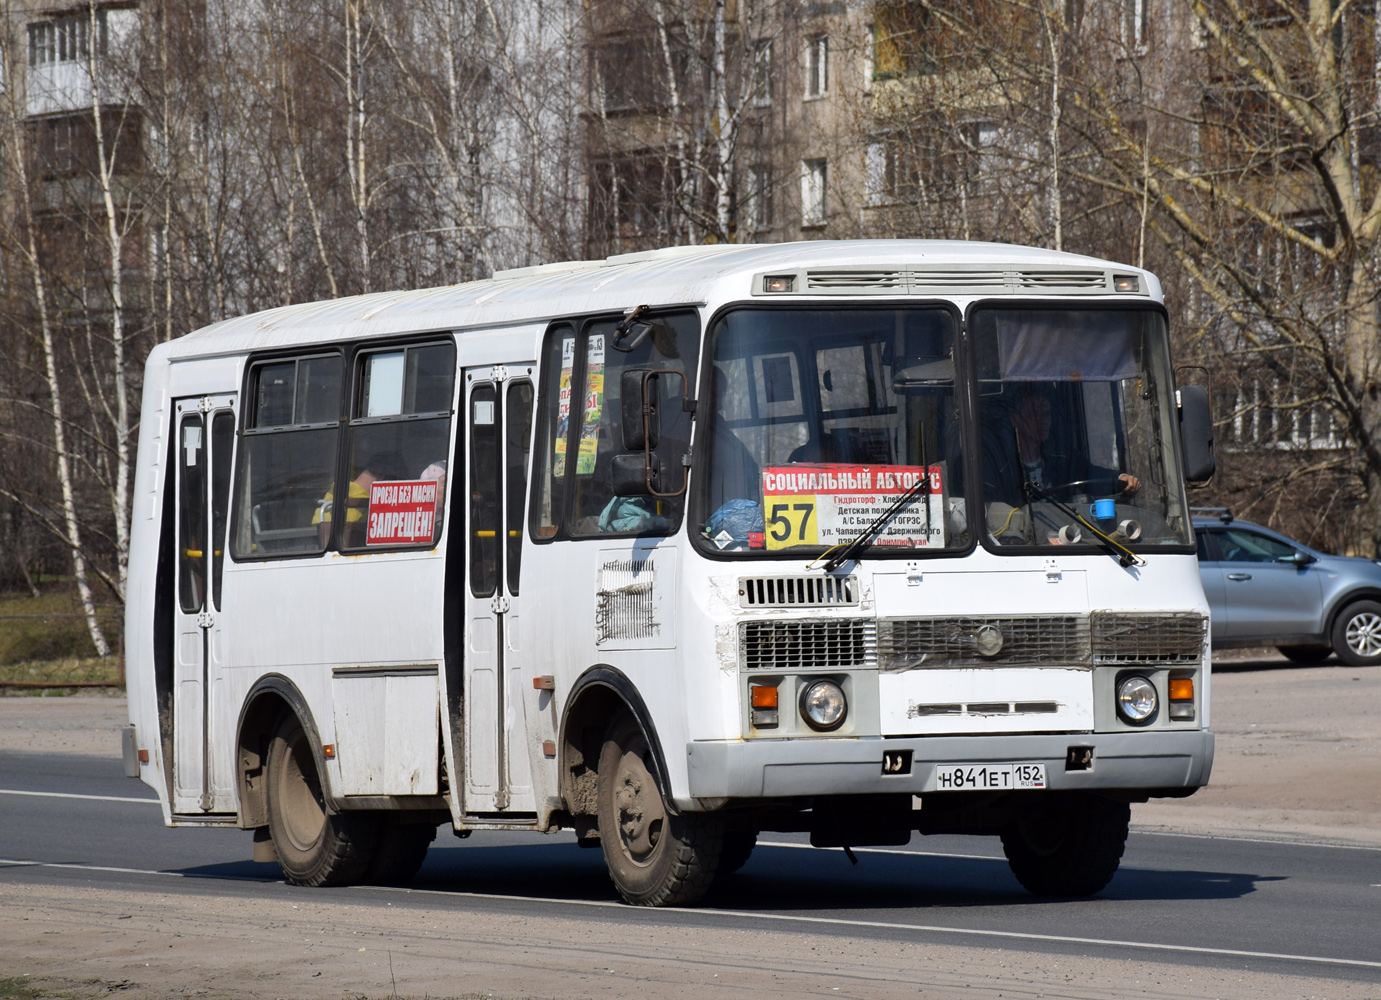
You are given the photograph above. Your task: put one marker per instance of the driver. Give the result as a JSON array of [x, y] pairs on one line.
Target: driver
[[1029, 455]]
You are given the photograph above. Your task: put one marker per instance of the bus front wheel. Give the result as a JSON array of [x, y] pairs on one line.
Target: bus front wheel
[[1067, 845], [316, 845], [655, 857]]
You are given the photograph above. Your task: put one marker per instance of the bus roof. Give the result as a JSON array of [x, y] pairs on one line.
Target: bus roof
[[685, 275]]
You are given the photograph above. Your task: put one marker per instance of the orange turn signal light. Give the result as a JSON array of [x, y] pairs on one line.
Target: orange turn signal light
[[1182, 689], [763, 696]]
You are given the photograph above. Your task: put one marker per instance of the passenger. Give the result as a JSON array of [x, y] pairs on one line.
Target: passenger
[[381, 467]]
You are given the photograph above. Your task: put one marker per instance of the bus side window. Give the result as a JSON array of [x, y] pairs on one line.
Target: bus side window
[[400, 432], [287, 460], [553, 433], [673, 344]]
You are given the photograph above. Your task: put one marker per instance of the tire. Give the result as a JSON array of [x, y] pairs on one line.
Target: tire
[[1357, 634], [316, 845], [738, 847], [1067, 845], [654, 858], [399, 851], [1308, 655]]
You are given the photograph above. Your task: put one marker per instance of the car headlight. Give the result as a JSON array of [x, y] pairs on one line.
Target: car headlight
[[1136, 699], [823, 705]]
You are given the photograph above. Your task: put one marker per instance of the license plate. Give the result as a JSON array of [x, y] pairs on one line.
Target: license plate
[[988, 777]]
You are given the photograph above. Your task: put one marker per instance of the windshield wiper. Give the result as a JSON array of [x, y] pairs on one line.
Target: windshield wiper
[[847, 550], [1125, 556]]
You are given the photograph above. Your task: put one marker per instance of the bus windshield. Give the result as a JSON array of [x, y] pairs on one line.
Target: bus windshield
[[1075, 416], [819, 420], [822, 418]]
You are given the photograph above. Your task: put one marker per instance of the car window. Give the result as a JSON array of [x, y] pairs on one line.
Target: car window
[[1238, 545], [1206, 553]]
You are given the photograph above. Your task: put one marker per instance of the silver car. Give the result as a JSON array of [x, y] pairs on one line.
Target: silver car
[[1268, 590]]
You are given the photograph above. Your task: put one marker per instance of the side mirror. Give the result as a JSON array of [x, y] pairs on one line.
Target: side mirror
[[1196, 434], [1302, 559], [636, 474], [633, 406]]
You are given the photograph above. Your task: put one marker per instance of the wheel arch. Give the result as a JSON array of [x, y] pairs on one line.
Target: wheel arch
[[596, 696], [1345, 601], [272, 697]]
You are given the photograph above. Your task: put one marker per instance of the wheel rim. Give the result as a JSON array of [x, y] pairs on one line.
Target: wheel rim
[[303, 812], [638, 801], [1364, 634]]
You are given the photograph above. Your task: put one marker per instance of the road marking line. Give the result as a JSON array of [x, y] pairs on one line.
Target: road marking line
[[771, 917], [71, 795], [1254, 840], [886, 850]]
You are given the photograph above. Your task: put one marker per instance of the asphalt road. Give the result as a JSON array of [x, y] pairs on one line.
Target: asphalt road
[[1287, 908]]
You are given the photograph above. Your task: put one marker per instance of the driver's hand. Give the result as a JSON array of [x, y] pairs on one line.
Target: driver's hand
[[1132, 483]]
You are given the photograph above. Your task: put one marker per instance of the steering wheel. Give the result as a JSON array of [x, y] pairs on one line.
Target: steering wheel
[[1119, 485]]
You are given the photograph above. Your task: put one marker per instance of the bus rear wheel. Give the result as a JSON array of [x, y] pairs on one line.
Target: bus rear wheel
[[1067, 845], [655, 857], [400, 850], [738, 848], [316, 845]]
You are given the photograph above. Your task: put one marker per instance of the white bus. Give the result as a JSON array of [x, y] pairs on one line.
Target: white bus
[[859, 539]]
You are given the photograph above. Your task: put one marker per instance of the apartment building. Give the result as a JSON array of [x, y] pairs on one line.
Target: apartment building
[[73, 69]]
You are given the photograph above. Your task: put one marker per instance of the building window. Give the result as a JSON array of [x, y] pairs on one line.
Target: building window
[[879, 171], [762, 72], [1136, 24], [817, 66], [66, 39], [813, 177], [870, 49], [757, 202]]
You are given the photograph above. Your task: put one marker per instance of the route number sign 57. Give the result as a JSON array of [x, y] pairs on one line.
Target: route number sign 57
[[791, 521]]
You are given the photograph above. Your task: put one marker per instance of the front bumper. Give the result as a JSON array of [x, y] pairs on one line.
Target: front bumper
[[1147, 761]]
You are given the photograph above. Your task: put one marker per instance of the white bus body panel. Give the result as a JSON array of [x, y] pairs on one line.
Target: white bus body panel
[[360, 635]]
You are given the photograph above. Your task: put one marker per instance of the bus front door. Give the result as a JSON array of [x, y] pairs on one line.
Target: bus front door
[[498, 774], [205, 429]]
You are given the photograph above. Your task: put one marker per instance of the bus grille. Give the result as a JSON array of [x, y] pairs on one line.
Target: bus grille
[[908, 644], [797, 591], [831, 644], [1124, 637]]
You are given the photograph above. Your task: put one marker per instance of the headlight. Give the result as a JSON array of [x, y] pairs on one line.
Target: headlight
[[823, 705], [1136, 699]]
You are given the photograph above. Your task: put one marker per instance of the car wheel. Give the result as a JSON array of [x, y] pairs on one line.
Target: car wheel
[[1357, 634], [655, 857], [1306, 654]]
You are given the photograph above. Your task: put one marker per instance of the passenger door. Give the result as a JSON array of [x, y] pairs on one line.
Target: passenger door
[[1267, 595], [498, 424], [205, 429]]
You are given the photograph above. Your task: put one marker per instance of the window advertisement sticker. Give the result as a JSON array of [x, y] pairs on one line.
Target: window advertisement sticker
[[830, 504], [401, 513], [594, 406], [563, 407]]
